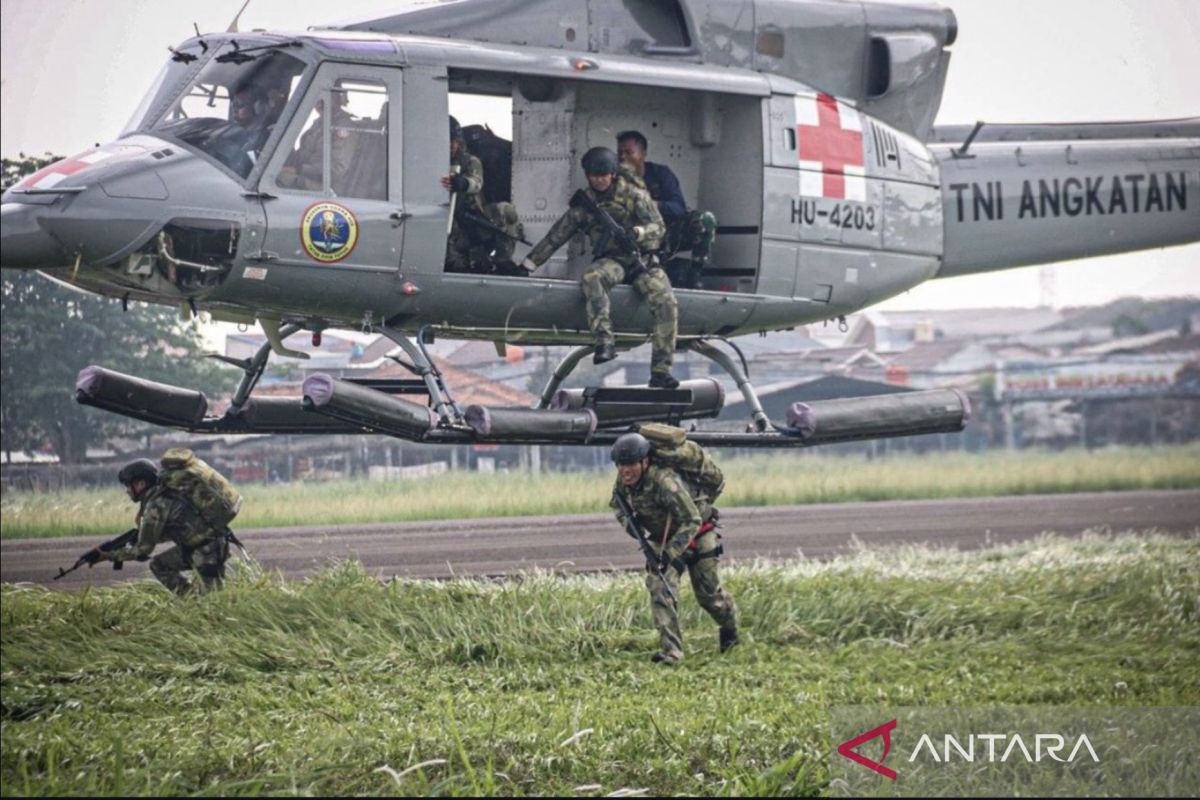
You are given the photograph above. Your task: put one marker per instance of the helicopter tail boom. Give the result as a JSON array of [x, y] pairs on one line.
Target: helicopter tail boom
[[1015, 195]]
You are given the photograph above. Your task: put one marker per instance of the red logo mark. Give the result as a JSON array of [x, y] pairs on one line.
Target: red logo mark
[[834, 146], [848, 750]]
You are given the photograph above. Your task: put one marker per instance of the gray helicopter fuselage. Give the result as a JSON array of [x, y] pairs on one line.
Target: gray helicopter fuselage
[[823, 209]]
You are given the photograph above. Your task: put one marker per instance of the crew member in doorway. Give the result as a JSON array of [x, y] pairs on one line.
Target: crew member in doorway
[[686, 230], [482, 235]]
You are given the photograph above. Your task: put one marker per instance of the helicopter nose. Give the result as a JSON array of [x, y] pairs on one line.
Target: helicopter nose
[[24, 244]]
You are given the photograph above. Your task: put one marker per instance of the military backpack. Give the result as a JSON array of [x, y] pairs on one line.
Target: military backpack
[[495, 154], [208, 491], [670, 448]]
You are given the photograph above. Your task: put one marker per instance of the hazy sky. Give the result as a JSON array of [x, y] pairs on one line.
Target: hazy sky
[[74, 70]]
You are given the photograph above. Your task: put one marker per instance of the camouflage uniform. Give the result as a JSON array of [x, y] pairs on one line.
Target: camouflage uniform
[[666, 509], [473, 248], [164, 515], [629, 206]]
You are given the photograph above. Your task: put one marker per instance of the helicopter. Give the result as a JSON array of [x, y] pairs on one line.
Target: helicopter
[[804, 126]]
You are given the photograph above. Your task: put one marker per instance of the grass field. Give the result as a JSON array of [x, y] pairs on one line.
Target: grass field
[[343, 685], [772, 479]]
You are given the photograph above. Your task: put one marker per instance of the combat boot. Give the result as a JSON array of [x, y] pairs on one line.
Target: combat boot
[[667, 658], [604, 353], [663, 380], [728, 638]]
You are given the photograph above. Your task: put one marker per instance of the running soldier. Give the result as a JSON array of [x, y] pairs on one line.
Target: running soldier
[[680, 528]]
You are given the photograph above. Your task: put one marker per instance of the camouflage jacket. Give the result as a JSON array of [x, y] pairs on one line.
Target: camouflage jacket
[[664, 507], [165, 516], [625, 203], [470, 168]]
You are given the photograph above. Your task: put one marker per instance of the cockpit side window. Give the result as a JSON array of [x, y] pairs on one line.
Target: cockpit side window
[[230, 109], [355, 163]]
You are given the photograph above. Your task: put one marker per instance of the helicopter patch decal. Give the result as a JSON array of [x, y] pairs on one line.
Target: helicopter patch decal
[[328, 232], [830, 140]]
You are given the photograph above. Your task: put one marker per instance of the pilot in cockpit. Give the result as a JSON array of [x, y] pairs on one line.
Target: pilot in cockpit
[[238, 143]]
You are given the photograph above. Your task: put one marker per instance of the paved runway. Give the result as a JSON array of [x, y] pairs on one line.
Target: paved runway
[[592, 542]]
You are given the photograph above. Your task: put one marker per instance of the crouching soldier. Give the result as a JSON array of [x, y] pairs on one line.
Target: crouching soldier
[[187, 503], [676, 524]]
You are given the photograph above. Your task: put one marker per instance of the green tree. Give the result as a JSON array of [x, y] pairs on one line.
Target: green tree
[[50, 331]]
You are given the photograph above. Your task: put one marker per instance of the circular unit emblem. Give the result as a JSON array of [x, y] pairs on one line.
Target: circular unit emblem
[[328, 232]]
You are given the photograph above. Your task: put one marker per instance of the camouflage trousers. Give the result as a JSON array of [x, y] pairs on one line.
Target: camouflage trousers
[[599, 280], [207, 560], [695, 231], [474, 248], [706, 585]]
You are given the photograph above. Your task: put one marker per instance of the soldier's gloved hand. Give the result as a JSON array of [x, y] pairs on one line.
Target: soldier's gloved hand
[[455, 183], [638, 233], [528, 265]]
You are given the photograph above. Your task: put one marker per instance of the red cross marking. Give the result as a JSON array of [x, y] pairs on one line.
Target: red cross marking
[[66, 167], [832, 145]]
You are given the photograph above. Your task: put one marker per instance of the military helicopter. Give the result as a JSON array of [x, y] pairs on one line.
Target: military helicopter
[[805, 126]]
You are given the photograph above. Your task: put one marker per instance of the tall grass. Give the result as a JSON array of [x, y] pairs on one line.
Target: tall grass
[[344, 685], [768, 479]]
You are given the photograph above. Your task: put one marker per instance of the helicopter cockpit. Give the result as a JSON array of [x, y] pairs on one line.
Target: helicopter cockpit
[[228, 110]]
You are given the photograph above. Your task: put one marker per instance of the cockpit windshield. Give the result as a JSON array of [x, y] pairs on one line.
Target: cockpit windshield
[[230, 108]]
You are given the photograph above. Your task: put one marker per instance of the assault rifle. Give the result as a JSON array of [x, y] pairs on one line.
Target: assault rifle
[[475, 218], [633, 527], [612, 232], [96, 554]]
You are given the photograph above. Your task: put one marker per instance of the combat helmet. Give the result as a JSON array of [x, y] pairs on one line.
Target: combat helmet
[[142, 469], [455, 129], [600, 161], [630, 448]]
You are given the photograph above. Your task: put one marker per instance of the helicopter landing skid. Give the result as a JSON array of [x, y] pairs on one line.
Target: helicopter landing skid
[[422, 366]]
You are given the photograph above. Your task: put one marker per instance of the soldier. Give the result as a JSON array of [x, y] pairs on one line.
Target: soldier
[[164, 515], [482, 235], [686, 230], [681, 530], [632, 208], [238, 143], [305, 167]]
